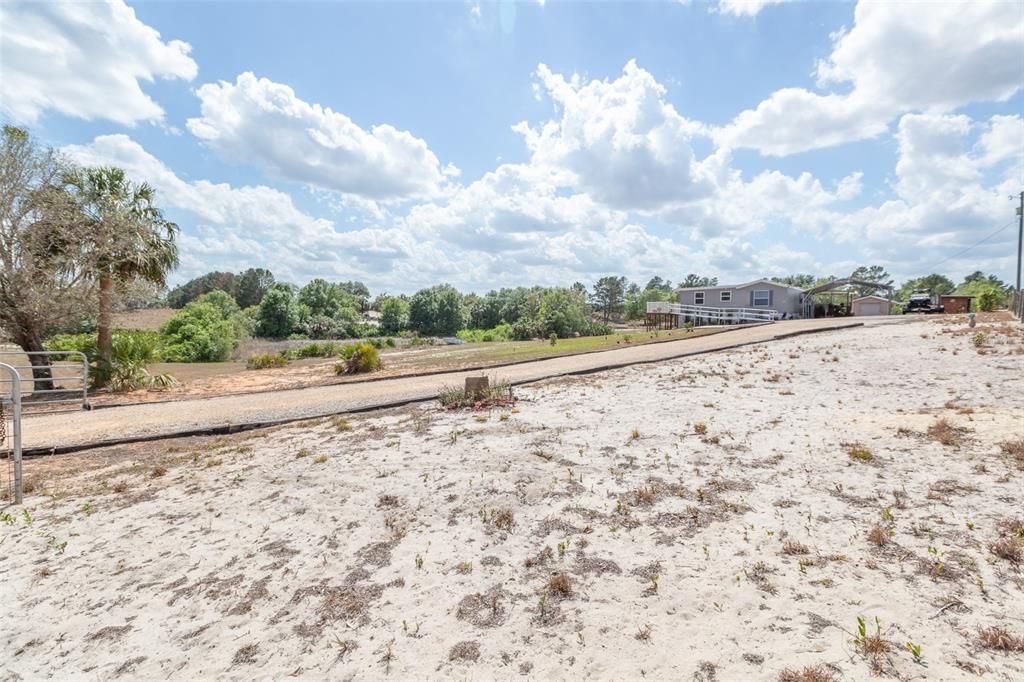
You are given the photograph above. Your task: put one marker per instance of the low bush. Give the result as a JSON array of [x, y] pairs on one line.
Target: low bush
[[133, 351], [266, 361], [502, 332], [317, 349], [358, 358]]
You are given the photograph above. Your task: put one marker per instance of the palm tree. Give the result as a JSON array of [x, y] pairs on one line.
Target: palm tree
[[127, 238]]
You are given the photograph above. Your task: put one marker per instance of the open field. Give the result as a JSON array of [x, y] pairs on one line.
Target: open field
[[719, 517], [200, 379]]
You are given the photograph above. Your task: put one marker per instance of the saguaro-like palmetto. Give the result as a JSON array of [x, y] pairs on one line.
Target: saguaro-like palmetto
[[128, 239]]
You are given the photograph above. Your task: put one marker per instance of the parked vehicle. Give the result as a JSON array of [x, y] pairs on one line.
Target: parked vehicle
[[923, 301]]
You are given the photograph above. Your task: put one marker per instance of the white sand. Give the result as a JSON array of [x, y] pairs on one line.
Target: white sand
[[245, 561]]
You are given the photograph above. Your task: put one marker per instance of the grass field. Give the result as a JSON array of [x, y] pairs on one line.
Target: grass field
[[222, 378]]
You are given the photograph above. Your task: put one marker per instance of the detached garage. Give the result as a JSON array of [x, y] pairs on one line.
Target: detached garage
[[870, 305]]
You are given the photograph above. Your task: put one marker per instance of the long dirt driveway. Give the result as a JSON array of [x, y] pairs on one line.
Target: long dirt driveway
[[62, 431]]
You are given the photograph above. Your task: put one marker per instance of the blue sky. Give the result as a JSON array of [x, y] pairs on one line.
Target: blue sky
[[491, 144]]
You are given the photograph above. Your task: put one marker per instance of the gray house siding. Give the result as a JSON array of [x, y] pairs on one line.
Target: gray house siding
[[780, 297]]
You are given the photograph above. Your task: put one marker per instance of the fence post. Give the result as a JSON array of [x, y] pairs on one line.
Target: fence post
[[15, 428]]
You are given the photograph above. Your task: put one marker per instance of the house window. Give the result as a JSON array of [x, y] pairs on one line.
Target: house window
[[726, 296], [698, 298], [762, 297]]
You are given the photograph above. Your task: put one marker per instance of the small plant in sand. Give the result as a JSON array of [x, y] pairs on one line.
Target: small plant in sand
[[503, 519], [304, 452], [635, 435], [859, 452], [945, 433], [810, 673], [464, 567], [158, 471], [340, 424], [879, 536], [320, 459], [874, 644], [1009, 548], [419, 561], [88, 508], [979, 339], [560, 585], [1000, 639], [915, 651], [700, 428], [122, 486], [643, 633], [792, 547], [1014, 449]]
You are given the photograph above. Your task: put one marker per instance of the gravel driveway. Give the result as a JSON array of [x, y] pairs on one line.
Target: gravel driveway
[[189, 416]]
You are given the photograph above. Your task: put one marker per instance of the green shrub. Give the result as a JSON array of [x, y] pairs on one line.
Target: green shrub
[[266, 361], [502, 332], [358, 358], [317, 349], [209, 329], [553, 338], [420, 341]]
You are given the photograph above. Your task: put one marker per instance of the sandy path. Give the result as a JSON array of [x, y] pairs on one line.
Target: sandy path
[[130, 421], [702, 519]]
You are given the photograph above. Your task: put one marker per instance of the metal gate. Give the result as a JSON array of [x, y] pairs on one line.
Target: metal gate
[[10, 433], [69, 376]]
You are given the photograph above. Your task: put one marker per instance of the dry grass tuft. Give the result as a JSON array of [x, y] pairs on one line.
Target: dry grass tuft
[[1009, 548], [859, 452], [1015, 450], [560, 585], [700, 428], [158, 471], [340, 423], [465, 651], [644, 496], [792, 547], [1000, 639], [879, 535], [643, 633], [503, 519], [121, 486], [945, 433], [810, 673]]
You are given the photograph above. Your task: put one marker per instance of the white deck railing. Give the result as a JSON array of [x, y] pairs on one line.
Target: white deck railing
[[711, 314]]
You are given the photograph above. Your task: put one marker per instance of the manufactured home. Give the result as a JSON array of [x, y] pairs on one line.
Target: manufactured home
[[759, 294]]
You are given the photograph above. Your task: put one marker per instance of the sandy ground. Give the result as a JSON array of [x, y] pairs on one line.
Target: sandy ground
[[705, 518]]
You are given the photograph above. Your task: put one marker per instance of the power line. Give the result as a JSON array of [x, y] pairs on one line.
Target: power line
[[960, 253]]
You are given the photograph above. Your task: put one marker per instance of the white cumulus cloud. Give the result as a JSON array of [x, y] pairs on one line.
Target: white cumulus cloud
[[263, 123], [899, 57], [84, 59]]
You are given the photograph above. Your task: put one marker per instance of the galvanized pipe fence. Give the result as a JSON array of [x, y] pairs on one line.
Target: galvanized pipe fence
[[10, 431], [68, 372]]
